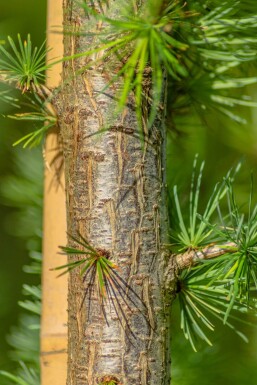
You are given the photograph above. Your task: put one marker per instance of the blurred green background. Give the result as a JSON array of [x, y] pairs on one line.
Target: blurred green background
[[218, 141], [20, 199]]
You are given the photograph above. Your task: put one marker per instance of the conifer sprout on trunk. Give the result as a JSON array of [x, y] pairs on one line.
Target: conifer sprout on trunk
[[114, 200]]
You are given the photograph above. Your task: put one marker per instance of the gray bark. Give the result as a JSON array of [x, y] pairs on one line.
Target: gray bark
[[115, 200]]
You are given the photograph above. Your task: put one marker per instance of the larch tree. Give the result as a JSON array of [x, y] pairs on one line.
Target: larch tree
[[114, 182], [112, 116], [127, 69]]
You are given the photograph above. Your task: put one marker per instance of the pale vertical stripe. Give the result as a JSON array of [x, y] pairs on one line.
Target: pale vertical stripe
[[54, 311]]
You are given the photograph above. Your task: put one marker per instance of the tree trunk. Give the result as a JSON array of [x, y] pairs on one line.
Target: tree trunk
[[114, 199], [53, 338]]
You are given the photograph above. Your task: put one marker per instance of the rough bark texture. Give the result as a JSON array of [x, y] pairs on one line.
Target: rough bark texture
[[113, 199]]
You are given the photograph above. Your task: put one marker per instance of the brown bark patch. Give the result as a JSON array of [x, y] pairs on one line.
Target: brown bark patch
[[110, 380]]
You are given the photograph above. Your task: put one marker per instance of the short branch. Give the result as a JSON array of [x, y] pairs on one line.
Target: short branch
[[192, 257]]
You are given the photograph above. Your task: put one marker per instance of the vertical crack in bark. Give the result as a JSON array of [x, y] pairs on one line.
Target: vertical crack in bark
[[110, 210], [147, 301], [135, 250], [90, 177], [89, 89], [91, 355], [121, 149], [143, 368]]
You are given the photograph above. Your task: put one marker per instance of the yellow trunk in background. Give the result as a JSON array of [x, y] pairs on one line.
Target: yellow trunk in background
[[54, 301]]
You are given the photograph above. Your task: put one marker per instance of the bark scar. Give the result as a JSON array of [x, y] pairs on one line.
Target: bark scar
[[146, 298], [120, 157], [110, 209], [90, 181], [89, 89], [146, 287], [140, 186], [92, 356], [134, 250], [143, 368]]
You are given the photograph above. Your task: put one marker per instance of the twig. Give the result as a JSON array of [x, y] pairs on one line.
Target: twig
[[177, 262], [190, 258]]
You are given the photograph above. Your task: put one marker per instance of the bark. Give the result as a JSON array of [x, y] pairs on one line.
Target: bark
[[114, 199]]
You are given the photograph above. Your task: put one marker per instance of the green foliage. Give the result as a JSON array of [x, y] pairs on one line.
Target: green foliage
[[230, 31], [240, 268], [30, 377], [221, 287], [23, 192], [203, 60], [4, 97], [24, 65], [24, 340], [141, 45], [197, 46], [101, 276], [215, 92], [43, 114], [96, 261], [194, 231], [222, 47], [199, 55], [200, 302]]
